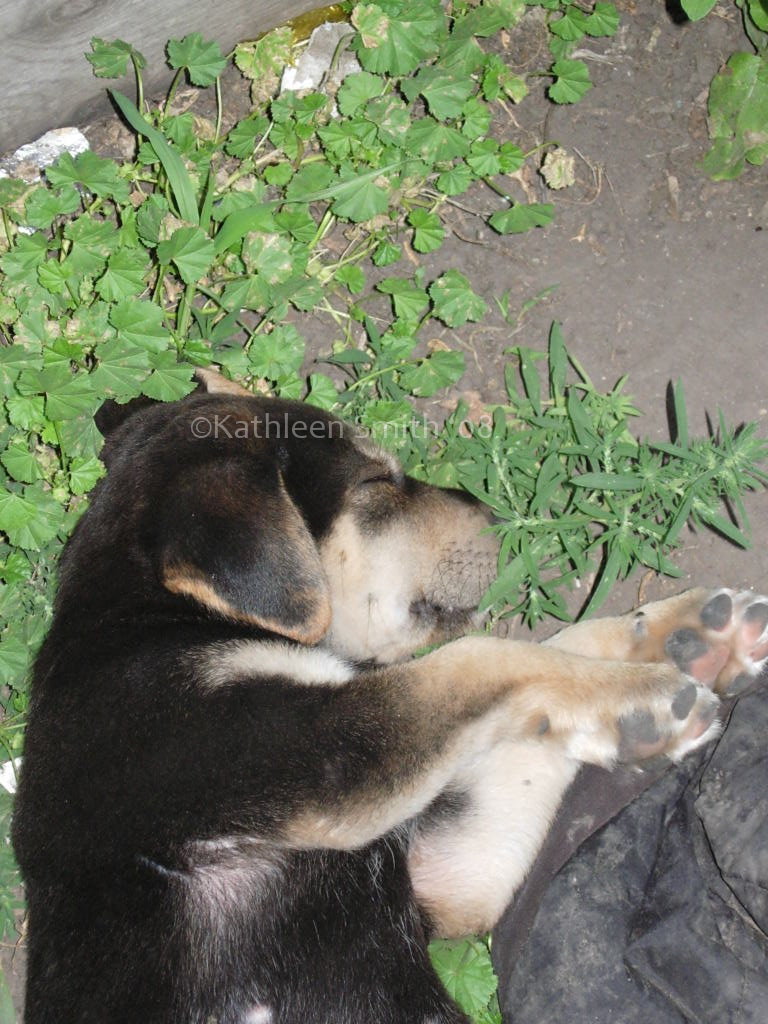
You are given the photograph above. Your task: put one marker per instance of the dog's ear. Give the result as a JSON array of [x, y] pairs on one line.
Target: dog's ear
[[210, 380], [232, 540]]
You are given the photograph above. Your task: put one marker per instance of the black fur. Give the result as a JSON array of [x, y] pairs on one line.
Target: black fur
[[130, 765]]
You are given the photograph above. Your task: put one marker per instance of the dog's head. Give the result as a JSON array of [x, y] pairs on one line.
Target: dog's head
[[277, 516]]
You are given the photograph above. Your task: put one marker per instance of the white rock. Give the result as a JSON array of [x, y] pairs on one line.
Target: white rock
[[43, 152], [314, 65]]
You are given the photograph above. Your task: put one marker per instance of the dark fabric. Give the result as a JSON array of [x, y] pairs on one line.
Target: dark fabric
[[661, 916]]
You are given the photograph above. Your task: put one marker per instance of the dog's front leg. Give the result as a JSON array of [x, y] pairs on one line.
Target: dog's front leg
[[400, 736], [471, 852]]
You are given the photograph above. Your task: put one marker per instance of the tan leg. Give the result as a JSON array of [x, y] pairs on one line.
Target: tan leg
[[466, 866], [423, 726], [719, 637]]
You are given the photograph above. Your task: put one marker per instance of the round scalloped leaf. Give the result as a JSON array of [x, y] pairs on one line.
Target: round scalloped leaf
[[201, 58], [455, 302], [395, 36], [522, 217], [571, 82], [191, 252]]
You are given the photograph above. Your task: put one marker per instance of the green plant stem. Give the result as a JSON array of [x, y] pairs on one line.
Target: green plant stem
[[139, 83], [7, 228], [219, 111], [172, 92], [184, 313]]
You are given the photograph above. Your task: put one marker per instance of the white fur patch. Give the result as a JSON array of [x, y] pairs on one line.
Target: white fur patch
[[227, 878], [308, 666], [259, 1015]]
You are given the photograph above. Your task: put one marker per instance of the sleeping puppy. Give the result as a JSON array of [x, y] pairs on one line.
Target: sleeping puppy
[[242, 801]]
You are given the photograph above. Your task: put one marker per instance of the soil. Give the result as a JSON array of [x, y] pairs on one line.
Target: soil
[[655, 271]]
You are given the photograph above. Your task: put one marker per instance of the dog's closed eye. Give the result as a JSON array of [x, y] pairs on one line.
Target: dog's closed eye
[[382, 477]]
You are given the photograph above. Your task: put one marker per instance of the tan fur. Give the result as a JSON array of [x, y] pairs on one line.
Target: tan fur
[[216, 384], [189, 581]]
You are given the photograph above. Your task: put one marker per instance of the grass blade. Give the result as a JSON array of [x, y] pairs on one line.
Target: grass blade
[[173, 165], [681, 415]]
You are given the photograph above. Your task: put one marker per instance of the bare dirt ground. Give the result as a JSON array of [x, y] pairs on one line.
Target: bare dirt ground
[[659, 273]]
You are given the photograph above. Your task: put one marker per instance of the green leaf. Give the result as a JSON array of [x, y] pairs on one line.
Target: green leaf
[[435, 142], [242, 139], [359, 199], [277, 354], [428, 230], [455, 302], [55, 276], [21, 463], [150, 217], [356, 90], [26, 411], [571, 26], [79, 437], [489, 18], [83, 474], [409, 302], [571, 81], [322, 391], [464, 967], [557, 359], [241, 222], [21, 263], [484, 158], [173, 165], [445, 93], [391, 118], [202, 59], [16, 568], [522, 217], [170, 380], [265, 58], [476, 118], [438, 370], [604, 20], [386, 253], [352, 276], [608, 481], [696, 9], [395, 37], [121, 370], [757, 13], [511, 157], [180, 129], [738, 116], [298, 221], [124, 276], [95, 173], [270, 256], [93, 241], [140, 323], [110, 59], [44, 205], [455, 181], [75, 397], [7, 1009], [190, 250], [30, 519]]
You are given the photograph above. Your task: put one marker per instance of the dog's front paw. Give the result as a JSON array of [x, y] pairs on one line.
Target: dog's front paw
[[726, 645], [652, 710]]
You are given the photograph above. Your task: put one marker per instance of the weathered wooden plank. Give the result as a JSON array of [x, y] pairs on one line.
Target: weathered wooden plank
[[45, 81]]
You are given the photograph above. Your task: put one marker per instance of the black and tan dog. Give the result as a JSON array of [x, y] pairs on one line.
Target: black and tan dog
[[241, 803]]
